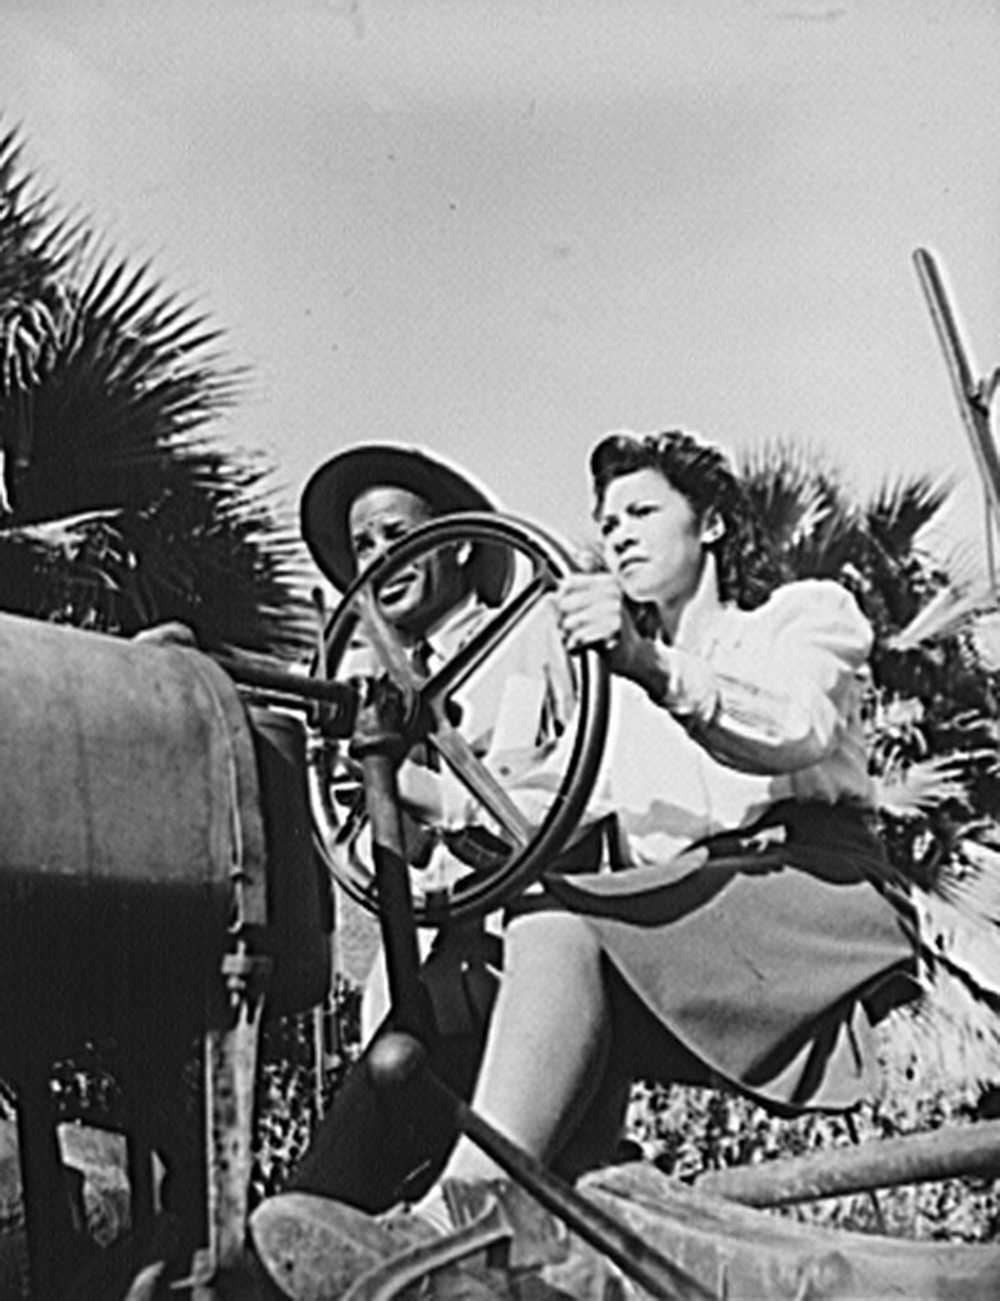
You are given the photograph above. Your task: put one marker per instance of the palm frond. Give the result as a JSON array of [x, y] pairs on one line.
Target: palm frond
[[950, 1036], [952, 609], [804, 509], [63, 537], [960, 938], [947, 1040], [786, 491], [902, 509], [33, 256], [909, 789], [964, 591], [984, 633], [972, 881], [109, 419]]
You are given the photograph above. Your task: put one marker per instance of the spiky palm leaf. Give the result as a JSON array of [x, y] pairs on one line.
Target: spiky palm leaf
[[809, 520], [898, 571], [950, 1039], [33, 255], [819, 530], [908, 790], [901, 510], [106, 417], [964, 594]]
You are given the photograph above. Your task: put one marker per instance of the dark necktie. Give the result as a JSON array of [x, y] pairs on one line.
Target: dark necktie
[[420, 657]]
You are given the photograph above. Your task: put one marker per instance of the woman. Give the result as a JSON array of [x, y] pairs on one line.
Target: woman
[[749, 939], [742, 934]]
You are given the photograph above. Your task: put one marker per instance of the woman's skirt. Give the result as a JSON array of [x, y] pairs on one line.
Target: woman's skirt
[[766, 955]]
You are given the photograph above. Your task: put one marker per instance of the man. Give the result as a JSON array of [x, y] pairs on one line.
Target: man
[[354, 508], [363, 499]]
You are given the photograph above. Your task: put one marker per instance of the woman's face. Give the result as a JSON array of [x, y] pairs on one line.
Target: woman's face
[[653, 542]]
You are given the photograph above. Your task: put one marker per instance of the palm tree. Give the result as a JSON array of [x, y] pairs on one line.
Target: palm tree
[[120, 506]]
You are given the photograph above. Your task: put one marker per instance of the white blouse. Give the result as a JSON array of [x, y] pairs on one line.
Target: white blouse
[[764, 705]]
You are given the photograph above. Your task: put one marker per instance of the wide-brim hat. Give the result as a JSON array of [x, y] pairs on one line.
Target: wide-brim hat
[[333, 488]]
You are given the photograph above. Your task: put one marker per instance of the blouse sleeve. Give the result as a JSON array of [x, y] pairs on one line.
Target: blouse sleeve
[[779, 697]]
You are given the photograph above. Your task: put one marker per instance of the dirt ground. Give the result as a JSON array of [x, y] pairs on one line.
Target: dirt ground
[[95, 1161]]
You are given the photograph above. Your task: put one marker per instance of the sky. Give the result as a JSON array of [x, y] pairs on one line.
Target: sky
[[499, 229]]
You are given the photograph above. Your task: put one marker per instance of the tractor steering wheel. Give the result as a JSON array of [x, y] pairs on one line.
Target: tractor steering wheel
[[502, 850]]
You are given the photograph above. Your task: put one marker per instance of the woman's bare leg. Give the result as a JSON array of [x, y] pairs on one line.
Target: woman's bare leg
[[547, 1047]]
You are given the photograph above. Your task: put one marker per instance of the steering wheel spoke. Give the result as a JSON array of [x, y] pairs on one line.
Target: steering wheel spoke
[[387, 644], [480, 782], [450, 677]]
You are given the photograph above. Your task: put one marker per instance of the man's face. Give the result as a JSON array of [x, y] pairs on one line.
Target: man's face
[[421, 593]]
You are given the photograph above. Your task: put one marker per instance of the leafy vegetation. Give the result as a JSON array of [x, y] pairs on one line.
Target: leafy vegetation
[[687, 1132]]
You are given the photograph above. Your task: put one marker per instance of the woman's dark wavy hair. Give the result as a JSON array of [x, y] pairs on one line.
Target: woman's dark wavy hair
[[747, 569]]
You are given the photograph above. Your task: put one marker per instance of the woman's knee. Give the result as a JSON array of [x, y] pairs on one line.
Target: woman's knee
[[561, 942]]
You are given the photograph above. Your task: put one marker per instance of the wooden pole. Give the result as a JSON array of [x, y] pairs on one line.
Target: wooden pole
[[971, 395], [886, 1163]]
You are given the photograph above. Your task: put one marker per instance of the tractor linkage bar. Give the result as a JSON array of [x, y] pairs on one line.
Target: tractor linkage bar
[[336, 701]]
